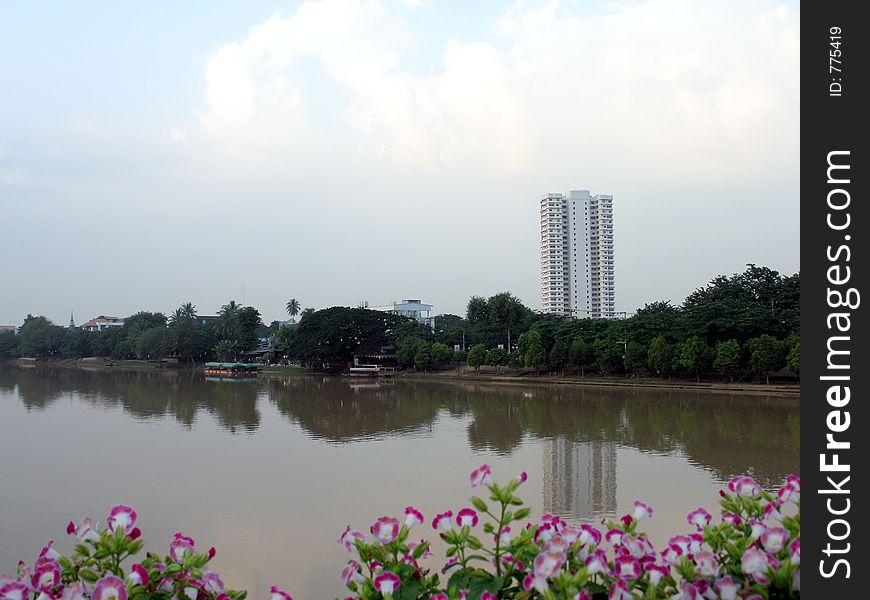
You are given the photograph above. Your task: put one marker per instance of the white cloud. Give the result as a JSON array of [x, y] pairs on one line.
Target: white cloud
[[670, 85]]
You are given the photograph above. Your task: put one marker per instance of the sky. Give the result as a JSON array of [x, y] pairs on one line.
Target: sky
[[341, 151]]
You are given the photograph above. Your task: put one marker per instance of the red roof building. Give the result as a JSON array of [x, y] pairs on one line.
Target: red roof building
[[103, 322]]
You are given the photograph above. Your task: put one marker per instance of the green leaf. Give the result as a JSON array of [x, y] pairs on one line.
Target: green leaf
[[89, 576], [522, 513], [479, 504]]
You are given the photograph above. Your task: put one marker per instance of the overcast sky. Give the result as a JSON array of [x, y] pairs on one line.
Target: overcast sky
[[335, 151]]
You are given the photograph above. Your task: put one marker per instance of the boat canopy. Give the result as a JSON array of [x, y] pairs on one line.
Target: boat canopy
[[231, 365]]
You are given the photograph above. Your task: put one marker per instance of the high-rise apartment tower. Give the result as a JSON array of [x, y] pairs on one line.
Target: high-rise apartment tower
[[577, 254]]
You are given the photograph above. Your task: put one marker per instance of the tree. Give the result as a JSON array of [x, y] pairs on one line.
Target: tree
[[535, 355], [608, 355], [442, 354], [8, 344], [228, 321], [693, 355], [76, 343], [497, 357], [423, 356], [793, 359], [476, 313], [558, 358], [635, 357], [581, 355], [660, 357], [144, 320], [306, 313], [293, 308], [407, 350], [249, 324], [39, 337], [766, 354], [728, 358], [477, 356], [226, 350]]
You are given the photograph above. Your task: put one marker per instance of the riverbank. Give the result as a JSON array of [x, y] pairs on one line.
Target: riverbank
[[469, 375]]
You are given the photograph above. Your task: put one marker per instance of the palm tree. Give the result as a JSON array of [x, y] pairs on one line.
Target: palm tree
[[228, 320], [188, 309], [225, 350], [293, 308]]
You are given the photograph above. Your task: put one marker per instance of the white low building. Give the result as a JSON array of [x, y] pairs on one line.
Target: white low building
[[414, 309]]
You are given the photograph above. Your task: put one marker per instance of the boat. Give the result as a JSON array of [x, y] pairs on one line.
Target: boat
[[370, 371], [233, 369]]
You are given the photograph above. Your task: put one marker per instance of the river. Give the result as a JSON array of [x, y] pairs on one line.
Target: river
[[270, 471]]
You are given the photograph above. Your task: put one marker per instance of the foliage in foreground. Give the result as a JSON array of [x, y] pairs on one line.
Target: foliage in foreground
[[492, 551]]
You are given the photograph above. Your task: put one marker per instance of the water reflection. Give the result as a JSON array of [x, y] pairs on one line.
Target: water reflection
[[726, 434]]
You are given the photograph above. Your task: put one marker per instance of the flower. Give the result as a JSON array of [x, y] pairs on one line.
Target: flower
[[181, 545], [84, 531], [13, 590], [466, 517], [796, 581], [351, 573], [656, 572], [348, 537], [641, 510], [385, 529], [754, 562], [699, 517], [109, 588], [614, 536], [744, 486], [731, 519], [794, 552], [137, 575], [439, 596], [672, 554], [619, 591], [46, 574], [505, 538], [121, 516], [387, 582], [451, 566], [49, 552], [627, 567], [597, 562], [442, 521], [727, 588], [74, 591], [487, 595], [590, 534], [546, 565], [706, 563], [279, 594], [687, 591], [773, 539], [758, 528], [638, 546], [412, 516], [213, 583], [522, 477], [481, 476]]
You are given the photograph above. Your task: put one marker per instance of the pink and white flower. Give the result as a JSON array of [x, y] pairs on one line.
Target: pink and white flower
[[546, 565], [181, 545], [686, 591], [137, 575], [466, 517], [744, 486], [504, 538], [788, 493], [642, 510], [755, 563], [487, 595], [442, 521], [699, 517], [385, 529], [619, 591], [349, 536], [74, 591], [439, 596], [773, 539], [110, 588], [451, 566], [758, 528], [46, 574], [614, 536], [590, 534], [412, 516], [279, 594], [121, 516], [796, 581], [387, 582], [672, 554], [596, 562], [731, 519], [727, 588], [522, 477], [656, 572], [351, 573], [794, 552], [706, 563], [49, 552], [213, 583], [84, 531], [481, 476], [638, 546], [627, 567], [13, 590]]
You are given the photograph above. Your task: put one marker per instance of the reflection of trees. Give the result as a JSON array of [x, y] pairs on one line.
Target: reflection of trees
[[331, 409], [727, 434], [145, 394]]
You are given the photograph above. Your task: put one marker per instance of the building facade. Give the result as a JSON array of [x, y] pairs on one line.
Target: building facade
[[577, 270], [414, 309], [103, 322]]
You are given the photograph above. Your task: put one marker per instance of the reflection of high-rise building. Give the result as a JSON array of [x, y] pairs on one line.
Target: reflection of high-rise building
[[580, 478]]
